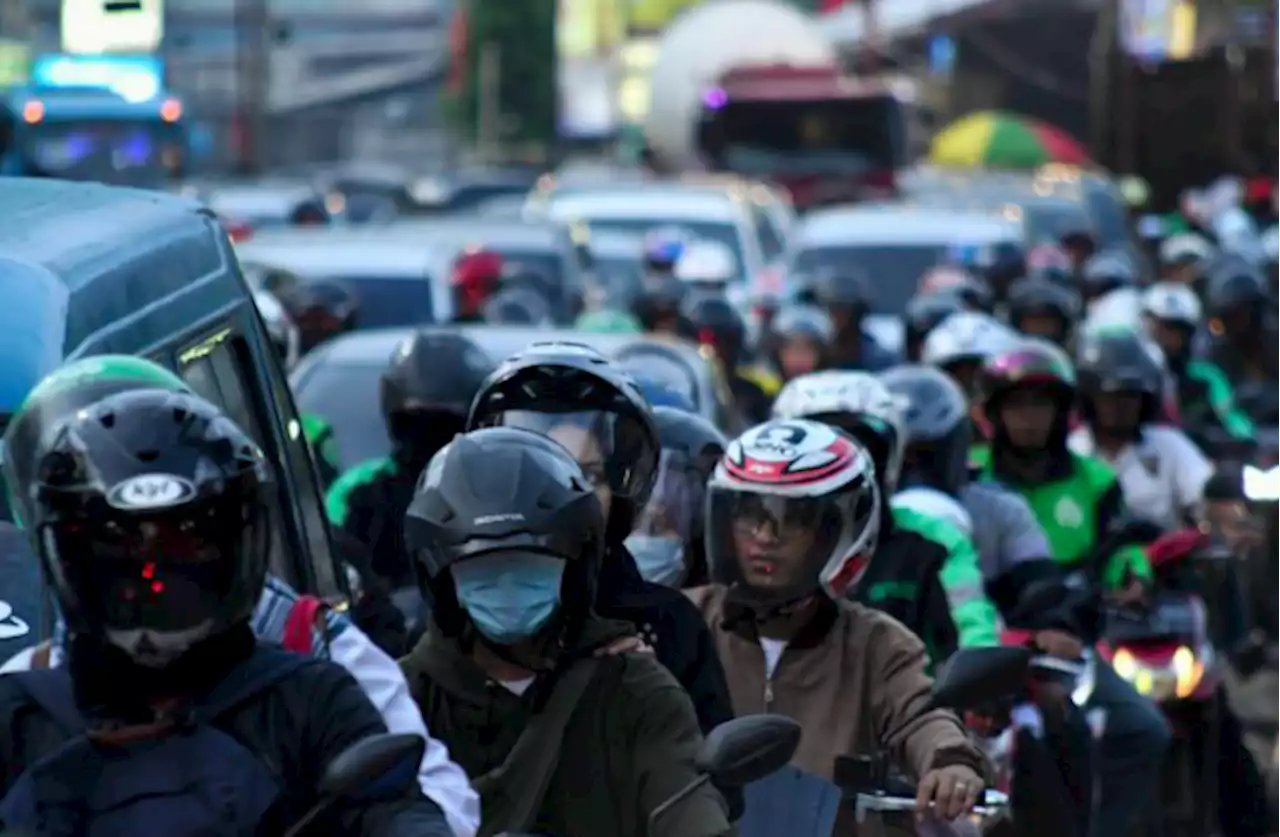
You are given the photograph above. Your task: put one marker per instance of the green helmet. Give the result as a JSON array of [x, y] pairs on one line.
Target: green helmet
[[608, 321], [68, 388]]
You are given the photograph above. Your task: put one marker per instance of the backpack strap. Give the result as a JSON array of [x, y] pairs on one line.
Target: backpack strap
[[307, 613], [52, 690], [512, 793], [266, 667]]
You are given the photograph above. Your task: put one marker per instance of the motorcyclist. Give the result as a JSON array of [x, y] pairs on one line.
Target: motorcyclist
[[959, 345], [924, 312], [1242, 319], [1121, 385], [1079, 245], [508, 538], [79, 384], [474, 277], [847, 299], [657, 306], [1027, 396], [146, 502], [424, 393], [926, 572], [793, 514], [720, 328], [1106, 273], [803, 340], [1040, 307], [1010, 543], [1205, 399], [1183, 258], [572, 394], [707, 267], [321, 309], [667, 540]]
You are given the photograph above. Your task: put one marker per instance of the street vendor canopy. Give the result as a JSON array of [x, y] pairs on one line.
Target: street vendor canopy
[[1003, 140]]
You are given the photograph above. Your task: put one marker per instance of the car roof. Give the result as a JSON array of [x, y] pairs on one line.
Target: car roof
[[902, 224], [325, 251], [666, 202], [65, 250]]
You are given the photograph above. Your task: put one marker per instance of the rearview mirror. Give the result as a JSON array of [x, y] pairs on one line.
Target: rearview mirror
[[374, 767], [974, 676], [748, 748]]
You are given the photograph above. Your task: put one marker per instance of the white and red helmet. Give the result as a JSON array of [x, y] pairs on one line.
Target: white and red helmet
[[792, 508]]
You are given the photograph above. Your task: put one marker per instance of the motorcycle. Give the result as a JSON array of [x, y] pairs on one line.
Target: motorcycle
[[1165, 649], [378, 767]]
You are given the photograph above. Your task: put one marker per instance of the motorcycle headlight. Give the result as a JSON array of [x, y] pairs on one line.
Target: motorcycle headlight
[[1188, 669]]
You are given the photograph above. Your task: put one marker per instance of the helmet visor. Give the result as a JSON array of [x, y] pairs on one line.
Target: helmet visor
[[676, 505], [772, 550], [611, 448]]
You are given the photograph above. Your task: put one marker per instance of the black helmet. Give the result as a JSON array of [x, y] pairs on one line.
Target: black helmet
[[152, 516], [426, 391], [717, 324], [517, 306], [320, 308], [499, 495], [1234, 285], [924, 313], [1106, 272], [673, 519], [550, 386], [1118, 360], [1037, 296], [935, 414]]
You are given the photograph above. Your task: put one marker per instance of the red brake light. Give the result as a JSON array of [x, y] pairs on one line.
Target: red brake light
[[237, 231]]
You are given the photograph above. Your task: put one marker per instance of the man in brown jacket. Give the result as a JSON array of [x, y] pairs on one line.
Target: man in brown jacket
[[792, 520]]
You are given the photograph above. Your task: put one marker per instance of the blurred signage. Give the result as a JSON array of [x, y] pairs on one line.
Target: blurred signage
[[98, 26], [1158, 30], [137, 78], [590, 35]]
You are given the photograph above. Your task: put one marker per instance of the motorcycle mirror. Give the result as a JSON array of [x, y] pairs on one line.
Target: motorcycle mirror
[[974, 676], [374, 767], [740, 751]]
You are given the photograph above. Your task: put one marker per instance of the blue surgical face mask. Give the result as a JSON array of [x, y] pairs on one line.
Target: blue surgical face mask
[[509, 597], [660, 559]]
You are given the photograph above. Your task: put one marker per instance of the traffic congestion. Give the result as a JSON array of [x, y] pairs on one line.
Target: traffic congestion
[[787, 479]]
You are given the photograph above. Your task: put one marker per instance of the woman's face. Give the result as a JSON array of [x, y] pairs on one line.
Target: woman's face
[[585, 448]]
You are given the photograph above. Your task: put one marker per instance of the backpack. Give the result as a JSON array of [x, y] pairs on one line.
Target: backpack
[[183, 777]]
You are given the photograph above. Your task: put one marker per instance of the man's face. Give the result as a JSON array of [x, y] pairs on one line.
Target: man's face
[[586, 450], [1184, 273], [1042, 324], [1118, 410], [798, 356], [1170, 337], [772, 557], [1027, 415]]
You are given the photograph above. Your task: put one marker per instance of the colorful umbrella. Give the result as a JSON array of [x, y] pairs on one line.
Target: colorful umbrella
[[1003, 140]]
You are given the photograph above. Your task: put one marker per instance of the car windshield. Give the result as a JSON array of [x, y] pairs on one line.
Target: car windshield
[[723, 232], [145, 153], [1110, 217], [893, 270], [394, 301], [1050, 220], [346, 396]]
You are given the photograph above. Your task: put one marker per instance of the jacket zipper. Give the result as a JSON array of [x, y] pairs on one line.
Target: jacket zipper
[[768, 693]]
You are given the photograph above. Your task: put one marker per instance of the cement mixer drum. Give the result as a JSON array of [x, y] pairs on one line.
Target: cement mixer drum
[[705, 42]]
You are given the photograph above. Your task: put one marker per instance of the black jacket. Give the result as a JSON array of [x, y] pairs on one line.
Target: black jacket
[[672, 625], [296, 726]]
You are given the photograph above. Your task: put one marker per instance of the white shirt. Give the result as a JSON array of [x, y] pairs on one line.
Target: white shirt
[[1162, 475], [773, 649]]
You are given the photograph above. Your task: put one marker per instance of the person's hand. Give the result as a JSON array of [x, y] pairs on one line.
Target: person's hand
[[1131, 594], [625, 645], [1059, 644], [948, 792]]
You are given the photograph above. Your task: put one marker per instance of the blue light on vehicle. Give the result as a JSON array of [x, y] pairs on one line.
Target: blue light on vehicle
[[135, 78]]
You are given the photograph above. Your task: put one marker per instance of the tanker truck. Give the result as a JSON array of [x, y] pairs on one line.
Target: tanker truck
[[754, 87]]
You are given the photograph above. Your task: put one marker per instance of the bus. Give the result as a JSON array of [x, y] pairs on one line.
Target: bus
[[81, 126]]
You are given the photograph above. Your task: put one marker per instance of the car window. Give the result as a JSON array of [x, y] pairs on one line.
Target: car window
[[211, 371], [724, 232], [772, 239], [391, 301], [893, 270], [346, 396]]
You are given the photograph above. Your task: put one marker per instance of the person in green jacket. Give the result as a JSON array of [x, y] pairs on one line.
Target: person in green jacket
[[1028, 392], [926, 572], [324, 448]]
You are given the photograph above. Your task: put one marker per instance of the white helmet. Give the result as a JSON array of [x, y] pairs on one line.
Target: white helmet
[[966, 335], [706, 263], [1185, 247], [1174, 303], [856, 402], [792, 508], [281, 330]]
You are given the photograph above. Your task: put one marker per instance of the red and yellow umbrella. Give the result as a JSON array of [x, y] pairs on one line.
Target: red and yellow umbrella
[[1003, 140]]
